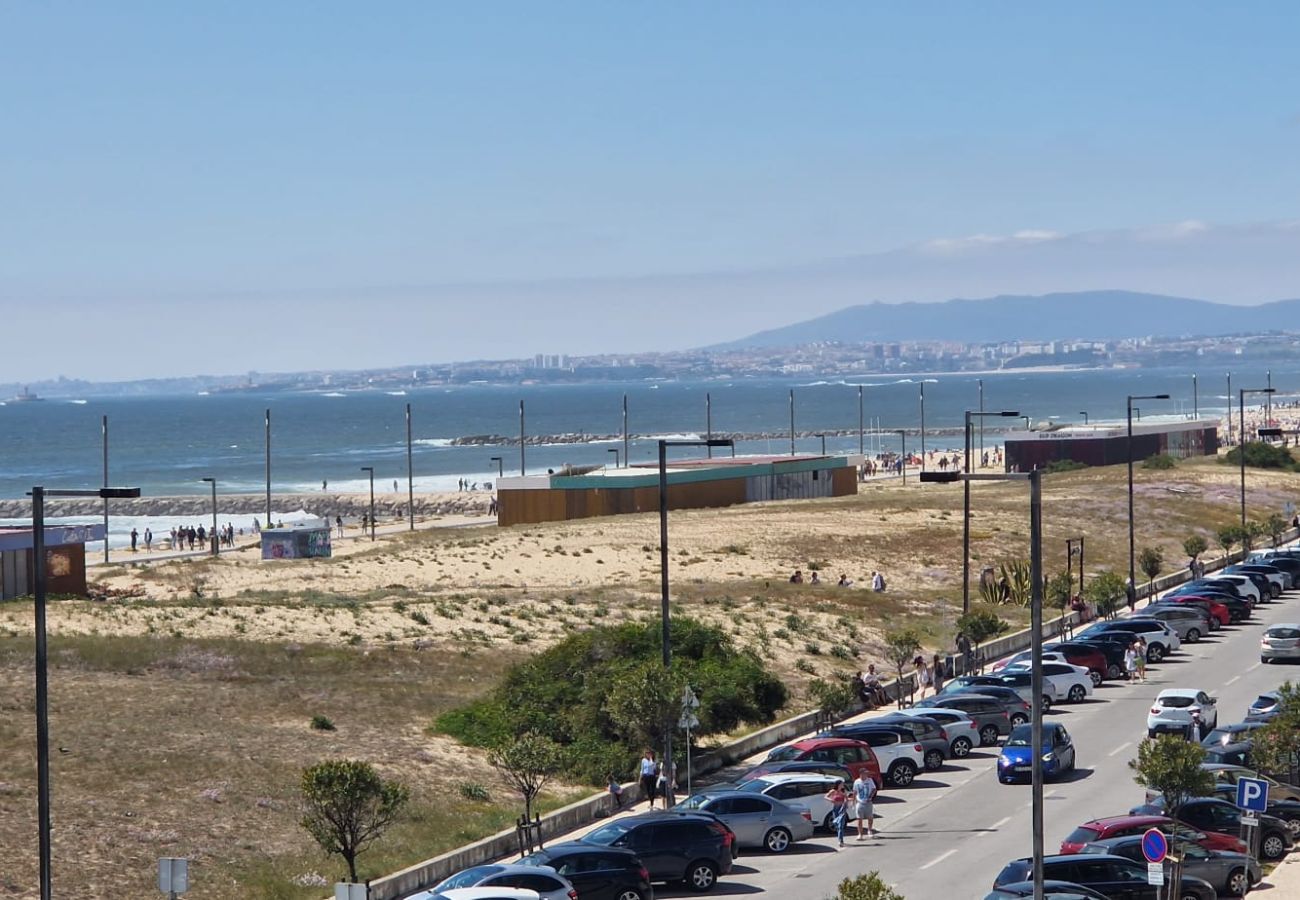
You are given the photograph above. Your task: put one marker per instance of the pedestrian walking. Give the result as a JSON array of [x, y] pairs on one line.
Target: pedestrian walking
[[937, 672], [1130, 595], [649, 777], [839, 801], [1196, 728], [864, 795], [1140, 658], [338, 522], [924, 677], [877, 582], [1130, 661], [148, 540], [616, 792]]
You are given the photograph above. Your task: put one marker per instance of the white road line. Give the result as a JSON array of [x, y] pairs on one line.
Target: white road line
[[994, 827], [938, 859], [1232, 679], [1118, 750], [1254, 667]]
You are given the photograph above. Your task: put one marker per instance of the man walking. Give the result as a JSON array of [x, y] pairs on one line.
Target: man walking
[[864, 793]]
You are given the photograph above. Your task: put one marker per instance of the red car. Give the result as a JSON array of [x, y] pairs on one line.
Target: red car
[[856, 756], [1123, 826], [1217, 610], [1090, 658]]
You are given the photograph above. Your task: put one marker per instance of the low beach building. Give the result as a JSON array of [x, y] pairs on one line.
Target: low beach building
[[301, 540], [1106, 443], [692, 484], [65, 559]]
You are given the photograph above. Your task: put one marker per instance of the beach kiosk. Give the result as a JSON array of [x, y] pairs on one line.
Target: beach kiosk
[[302, 540], [65, 559]]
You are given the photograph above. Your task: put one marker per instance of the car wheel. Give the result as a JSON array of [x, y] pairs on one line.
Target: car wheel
[[1096, 677], [988, 735], [1273, 846], [1193, 635], [630, 894], [1114, 672], [1265, 659], [1238, 882], [961, 748], [1293, 825], [1155, 653], [828, 823], [901, 773], [777, 840], [1274, 591], [701, 876], [1047, 703], [1077, 693], [934, 760], [1234, 618], [1019, 718]]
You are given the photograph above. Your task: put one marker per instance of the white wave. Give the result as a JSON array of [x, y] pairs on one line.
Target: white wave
[[432, 442], [689, 436], [78, 402], [333, 394], [424, 484], [395, 393]]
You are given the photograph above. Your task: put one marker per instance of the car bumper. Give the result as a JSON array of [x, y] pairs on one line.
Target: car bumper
[[1279, 652]]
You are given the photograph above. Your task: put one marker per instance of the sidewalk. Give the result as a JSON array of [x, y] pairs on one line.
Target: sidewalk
[[1284, 880]]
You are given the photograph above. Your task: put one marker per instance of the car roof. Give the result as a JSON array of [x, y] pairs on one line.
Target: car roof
[[1181, 692], [480, 893], [1109, 822], [818, 742], [786, 777], [577, 847], [1283, 625]]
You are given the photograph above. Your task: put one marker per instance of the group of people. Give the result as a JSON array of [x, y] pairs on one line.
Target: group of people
[[855, 804], [187, 537], [930, 675], [877, 579], [656, 782], [1135, 660]]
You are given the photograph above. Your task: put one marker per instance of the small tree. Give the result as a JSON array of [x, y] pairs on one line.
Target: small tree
[[1058, 590], [1195, 545], [1277, 745], [1105, 591], [526, 764], [834, 699], [979, 626], [866, 887], [1276, 527], [1172, 765], [645, 703], [347, 805], [1251, 534], [1228, 536], [901, 647], [1150, 560]]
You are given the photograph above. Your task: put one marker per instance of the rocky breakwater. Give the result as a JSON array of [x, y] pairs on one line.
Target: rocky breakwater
[[349, 506], [540, 440]]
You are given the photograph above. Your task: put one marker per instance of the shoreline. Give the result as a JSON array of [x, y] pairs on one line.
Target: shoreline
[[349, 505]]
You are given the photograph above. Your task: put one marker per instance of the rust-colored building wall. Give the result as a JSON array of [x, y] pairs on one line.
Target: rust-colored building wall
[[844, 482]]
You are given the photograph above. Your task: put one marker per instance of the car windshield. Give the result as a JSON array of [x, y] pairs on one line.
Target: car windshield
[[468, 878], [607, 834], [1082, 835], [782, 753], [1281, 632], [755, 786], [1264, 701], [1022, 736], [695, 801], [1176, 702]]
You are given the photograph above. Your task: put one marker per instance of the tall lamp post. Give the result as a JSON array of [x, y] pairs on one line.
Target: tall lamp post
[[38, 496], [268, 468], [666, 633], [1196, 398], [902, 453], [1132, 568], [965, 518], [981, 384], [216, 544], [1229, 407], [501, 465], [614, 450], [104, 434], [862, 431], [792, 421], [410, 472], [822, 435], [1084, 413], [923, 425], [1241, 435], [371, 470], [1035, 479]]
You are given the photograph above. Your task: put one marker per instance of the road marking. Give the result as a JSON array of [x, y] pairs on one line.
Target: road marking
[[938, 859], [994, 827], [1254, 667], [1232, 679], [1118, 750]]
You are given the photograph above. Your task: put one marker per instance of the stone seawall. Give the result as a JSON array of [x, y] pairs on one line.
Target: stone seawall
[[388, 505]]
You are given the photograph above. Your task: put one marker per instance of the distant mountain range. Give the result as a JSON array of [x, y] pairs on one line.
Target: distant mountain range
[[1086, 315]]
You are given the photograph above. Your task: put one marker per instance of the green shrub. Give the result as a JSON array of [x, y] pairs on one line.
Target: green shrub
[[472, 790], [1058, 466], [322, 723], [1159, 461], [1262, 455]]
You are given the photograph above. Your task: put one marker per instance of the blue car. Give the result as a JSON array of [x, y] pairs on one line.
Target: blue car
[[1016, 761]]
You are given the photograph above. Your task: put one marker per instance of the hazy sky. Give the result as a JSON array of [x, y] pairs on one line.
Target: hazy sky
[[219, 187]]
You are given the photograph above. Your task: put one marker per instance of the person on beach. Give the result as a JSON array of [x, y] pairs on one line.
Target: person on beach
[[394, 485], [839, 801], [338, 523], [864, 793], [797, 577], [649, 777], [134, 537], [844, 581], [815, 579], [148, 540], [324, 485]]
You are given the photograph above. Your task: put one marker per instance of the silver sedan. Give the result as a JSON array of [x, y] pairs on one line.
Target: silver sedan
[[758, 821]]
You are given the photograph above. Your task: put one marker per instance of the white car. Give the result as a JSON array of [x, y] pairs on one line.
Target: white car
[[479, 893], [963, 733], [1245, 587], [1174, 706], [800, 790], [1067, 681], [542, 882]]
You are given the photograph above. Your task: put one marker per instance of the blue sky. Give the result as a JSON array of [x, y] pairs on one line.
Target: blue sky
[[485, 171]]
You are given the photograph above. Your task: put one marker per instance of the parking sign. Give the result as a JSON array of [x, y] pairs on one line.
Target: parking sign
[[1252, 794]]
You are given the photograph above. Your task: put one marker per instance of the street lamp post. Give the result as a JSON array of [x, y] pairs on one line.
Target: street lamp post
[[501, 465], [1035, 479], [792, 421], [410, 472], [666, 625], [902, 453], [216, 544], [1241, 442], [922, 425], [38, 496], [1073, 548], [522, 470], [268, 468], [965, 518], [981, 384], [1084, 413], [1196, 398], [862, 432], [1132, 568], [822, 435], [1229, 407], [371, 470], [708, 420], [104, 434], [614, 450]]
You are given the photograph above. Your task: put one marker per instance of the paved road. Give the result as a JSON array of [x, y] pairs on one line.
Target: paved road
[[950, 833]]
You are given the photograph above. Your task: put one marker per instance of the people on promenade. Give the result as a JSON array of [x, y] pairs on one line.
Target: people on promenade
[[1130, 594], [924, 677], [649, 777], [937, 672], [148, 540]]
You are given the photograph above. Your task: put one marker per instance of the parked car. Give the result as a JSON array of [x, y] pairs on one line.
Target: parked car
[[898, 753], [1280, 642], [1235, 754], [933, 737], [798, 790], [1261, 582], [1068, 681], [596, 873], [1016, 760], [963, 732], [975, 682], [1174, 706], [1081, 654], [1052, 890], [1210, 814], [1024, 656], [1264, 707], [1287, 563], [756, 820], [1248, 586], [1111, 652], [1161, 639], [1238, 608], [1111, 876], [1018, 709], [1190, 623], [856, 756], [1229, 774], [478, 893], [1021, 680], [1228, 872], [807, 766], [1223, 735], [548, 883], [1217, 612], [1121, 826], [1279, 808], [1278, 580], [988, 714], [692, 848]]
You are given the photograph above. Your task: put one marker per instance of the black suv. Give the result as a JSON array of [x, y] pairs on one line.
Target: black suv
[[688, 847], [1114, 876], [596, 873]]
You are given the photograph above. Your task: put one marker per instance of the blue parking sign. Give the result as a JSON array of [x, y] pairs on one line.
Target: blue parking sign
[[1252, 794]]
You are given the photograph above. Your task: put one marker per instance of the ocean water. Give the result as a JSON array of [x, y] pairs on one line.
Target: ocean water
[[167, 444]]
